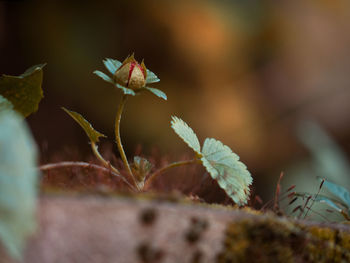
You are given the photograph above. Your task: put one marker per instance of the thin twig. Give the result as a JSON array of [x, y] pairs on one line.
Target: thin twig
[[50, 166]]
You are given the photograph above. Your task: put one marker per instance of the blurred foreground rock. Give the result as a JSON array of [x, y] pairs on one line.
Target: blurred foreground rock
[[121, 230]]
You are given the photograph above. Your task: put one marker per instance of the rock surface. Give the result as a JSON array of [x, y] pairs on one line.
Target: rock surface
[[122, 230]]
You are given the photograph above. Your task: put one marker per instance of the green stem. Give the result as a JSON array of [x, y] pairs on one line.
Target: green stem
[[118, 140], [166, 168], [106, 164]]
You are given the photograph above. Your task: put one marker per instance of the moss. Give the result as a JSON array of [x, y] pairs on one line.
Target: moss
[[270, 239]]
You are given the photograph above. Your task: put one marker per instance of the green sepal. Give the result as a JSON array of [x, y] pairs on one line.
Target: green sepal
[[103, 76], [151, 77], [112, 65], [24, 91], [126, 91], [157, 92], [89, 130]]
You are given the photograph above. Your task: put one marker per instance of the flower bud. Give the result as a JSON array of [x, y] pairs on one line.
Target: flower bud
[[131, 74]]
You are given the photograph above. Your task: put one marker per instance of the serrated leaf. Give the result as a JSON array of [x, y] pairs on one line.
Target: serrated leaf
[[151, 77], [24, 91], [141, 168], [103, 76], [89, 130], [224, 166], [126, 91], [112, 65], [186, 134], [338, 190], [5, 104], [157, 92], [18, 182]]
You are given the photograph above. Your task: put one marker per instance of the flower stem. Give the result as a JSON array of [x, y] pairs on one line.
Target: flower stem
[[50, 166], [153, 176], [118, 140]]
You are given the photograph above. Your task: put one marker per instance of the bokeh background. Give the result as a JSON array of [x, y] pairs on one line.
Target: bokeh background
[[268, 78]]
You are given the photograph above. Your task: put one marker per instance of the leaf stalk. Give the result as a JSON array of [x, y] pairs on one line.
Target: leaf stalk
[[153, 176]]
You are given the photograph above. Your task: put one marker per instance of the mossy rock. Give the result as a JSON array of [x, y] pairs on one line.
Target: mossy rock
[[124, 229]]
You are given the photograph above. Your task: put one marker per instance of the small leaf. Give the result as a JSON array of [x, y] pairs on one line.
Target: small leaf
[[186, 134], [103, 76], [5, 104], [151, 77], [141, 168], [126, 91], [18, 182], [23, 91], [112, 65], [89, 130], [157, 92], [328, 201], [224, 166], [338, 190]]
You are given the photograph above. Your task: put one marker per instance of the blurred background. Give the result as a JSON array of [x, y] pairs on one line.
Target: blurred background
[[268, 78]]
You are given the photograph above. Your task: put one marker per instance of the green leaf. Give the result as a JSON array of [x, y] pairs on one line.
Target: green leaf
[[157, 92], [186, 134], [103, 76], [5, 104], [151, 77], [328, 201], [18, 182], [112, 65], [338, 190], [23, 91], [224, 166], [126, 91], [141, 168], [89, 130]]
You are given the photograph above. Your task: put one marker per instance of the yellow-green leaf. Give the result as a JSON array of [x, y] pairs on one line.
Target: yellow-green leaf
[[90, 131], [24, 91]]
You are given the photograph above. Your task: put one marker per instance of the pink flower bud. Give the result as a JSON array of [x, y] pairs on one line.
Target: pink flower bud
[[131, 74]]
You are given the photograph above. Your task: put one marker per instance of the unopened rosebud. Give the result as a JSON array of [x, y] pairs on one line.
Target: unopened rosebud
[[131, 74]]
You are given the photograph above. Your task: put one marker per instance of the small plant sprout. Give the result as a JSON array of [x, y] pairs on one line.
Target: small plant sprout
[[131, 78], [221, 163]]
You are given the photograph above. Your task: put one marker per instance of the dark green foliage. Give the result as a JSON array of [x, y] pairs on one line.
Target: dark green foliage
[[24, 91]]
